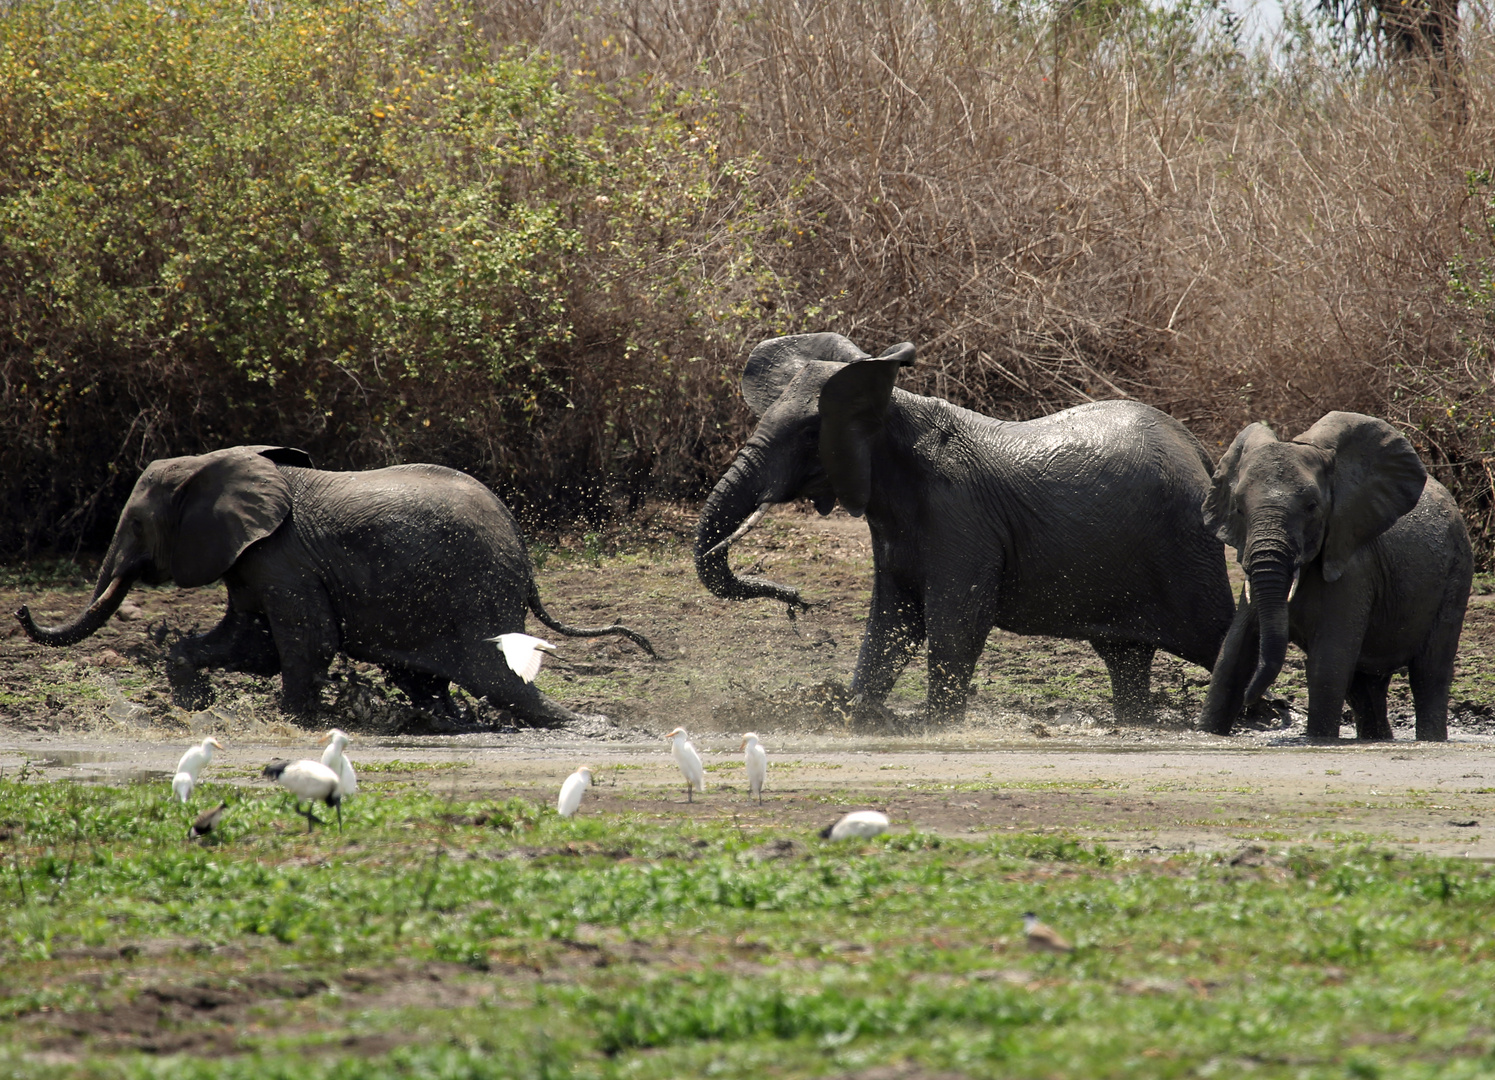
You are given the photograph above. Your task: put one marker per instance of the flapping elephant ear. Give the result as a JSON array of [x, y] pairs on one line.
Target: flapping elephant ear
[[774, 363], [1377, 478], [236, 497], [1220, 517], [853, 407]]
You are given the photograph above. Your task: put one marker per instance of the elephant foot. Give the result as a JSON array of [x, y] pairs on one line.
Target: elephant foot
[[190, 688]]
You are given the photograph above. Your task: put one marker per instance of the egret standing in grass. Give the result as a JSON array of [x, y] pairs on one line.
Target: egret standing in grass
[[689, 761], [309, 781], [572, 791], [334, 758], [190, 765], [860, 824], [757, 765], [523, 653]]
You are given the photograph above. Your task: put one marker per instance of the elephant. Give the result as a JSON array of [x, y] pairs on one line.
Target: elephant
[[1354, 554], [411, 567], [1084, 524]]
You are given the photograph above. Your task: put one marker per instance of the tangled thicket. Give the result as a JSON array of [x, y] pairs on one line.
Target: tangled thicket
[[535, 240]]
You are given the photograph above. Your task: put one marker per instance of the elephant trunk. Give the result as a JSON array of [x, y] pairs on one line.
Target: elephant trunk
[[1272, 578], [107, 597], [736, 496]]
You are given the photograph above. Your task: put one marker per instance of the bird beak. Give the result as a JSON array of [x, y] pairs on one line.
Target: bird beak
[[216, 743], [325, 738]]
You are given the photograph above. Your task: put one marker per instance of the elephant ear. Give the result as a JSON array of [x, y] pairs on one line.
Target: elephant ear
[[1228, 527], [1378, 477], [774, 363], [236, 496], [853, 407], [283, 455]]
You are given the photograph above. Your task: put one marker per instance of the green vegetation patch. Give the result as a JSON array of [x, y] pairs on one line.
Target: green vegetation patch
[[424, 941]]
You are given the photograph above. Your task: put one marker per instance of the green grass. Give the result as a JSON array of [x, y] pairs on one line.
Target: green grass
[[441, 938]]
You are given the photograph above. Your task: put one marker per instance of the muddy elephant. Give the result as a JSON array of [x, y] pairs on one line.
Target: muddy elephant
[[1355, 555], [1084, 524], [411, 568]]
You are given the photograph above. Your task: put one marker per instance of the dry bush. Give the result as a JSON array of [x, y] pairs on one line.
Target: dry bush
[[1054, 213]]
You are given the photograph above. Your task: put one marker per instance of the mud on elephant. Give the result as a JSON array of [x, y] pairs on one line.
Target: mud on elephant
[[1355, 555], [1084, 524], [411, 568]]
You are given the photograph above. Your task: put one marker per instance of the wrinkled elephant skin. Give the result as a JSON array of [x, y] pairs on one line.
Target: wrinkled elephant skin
[[1355, 555], [1084, 524], [411, 568]]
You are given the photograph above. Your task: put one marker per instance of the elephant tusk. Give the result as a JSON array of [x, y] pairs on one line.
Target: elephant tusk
[[742, 530], [1246, 590], [1292, 589]]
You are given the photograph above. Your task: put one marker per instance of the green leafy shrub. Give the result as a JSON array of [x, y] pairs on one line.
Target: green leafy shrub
[[359, 228]]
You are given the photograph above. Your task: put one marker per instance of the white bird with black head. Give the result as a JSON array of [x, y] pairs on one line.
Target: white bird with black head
[[310, 782], [859, 824]]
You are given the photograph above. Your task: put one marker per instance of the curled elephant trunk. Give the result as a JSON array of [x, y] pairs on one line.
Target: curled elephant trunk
[[1272, 584], [739, 495], [107, 597]]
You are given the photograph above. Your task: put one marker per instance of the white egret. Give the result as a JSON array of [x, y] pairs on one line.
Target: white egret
[[523, 653], [206, 822], [190, 764], [1043, 938], [573, 790], [334, 758], [861, 824], [689, 761], [757, 764], [310, 781]]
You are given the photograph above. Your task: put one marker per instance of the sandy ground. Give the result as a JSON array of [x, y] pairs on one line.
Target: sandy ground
[[1039, 753]]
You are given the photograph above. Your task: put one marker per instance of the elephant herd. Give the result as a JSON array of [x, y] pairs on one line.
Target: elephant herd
[[1104, 522]]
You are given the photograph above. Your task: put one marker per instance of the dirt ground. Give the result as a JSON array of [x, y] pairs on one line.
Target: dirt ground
[[1039, 751]]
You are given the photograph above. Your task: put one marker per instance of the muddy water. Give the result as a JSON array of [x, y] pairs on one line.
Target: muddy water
[[1183, 792]]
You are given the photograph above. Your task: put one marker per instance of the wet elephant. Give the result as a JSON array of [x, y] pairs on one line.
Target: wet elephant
[[411, 568], [1084, 524]]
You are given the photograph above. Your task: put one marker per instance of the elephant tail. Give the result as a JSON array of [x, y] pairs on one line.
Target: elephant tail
[[585, 631]]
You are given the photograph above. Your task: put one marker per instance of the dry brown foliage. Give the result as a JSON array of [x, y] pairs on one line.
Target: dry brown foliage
[[1052, 217]]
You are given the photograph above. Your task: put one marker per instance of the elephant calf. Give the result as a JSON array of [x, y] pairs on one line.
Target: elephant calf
[[1354, 554], [1084, 524], [411, 568]]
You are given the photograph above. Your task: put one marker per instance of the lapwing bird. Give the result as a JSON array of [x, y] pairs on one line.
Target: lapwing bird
[[206, 822], [689, 761], [859, 824], [309, 781], [1044, 938], [572, 791]]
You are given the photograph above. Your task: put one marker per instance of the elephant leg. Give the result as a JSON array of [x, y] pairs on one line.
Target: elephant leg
[[956, 637], [431, 693], [240, 642], [1232, 672], [306, 637], [1130, 666], [895, 627], [1329, 679], [1367, 698], [1431, 680]]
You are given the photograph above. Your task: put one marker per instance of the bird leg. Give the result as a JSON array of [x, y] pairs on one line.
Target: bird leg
[[339, 817], [689, 790]]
